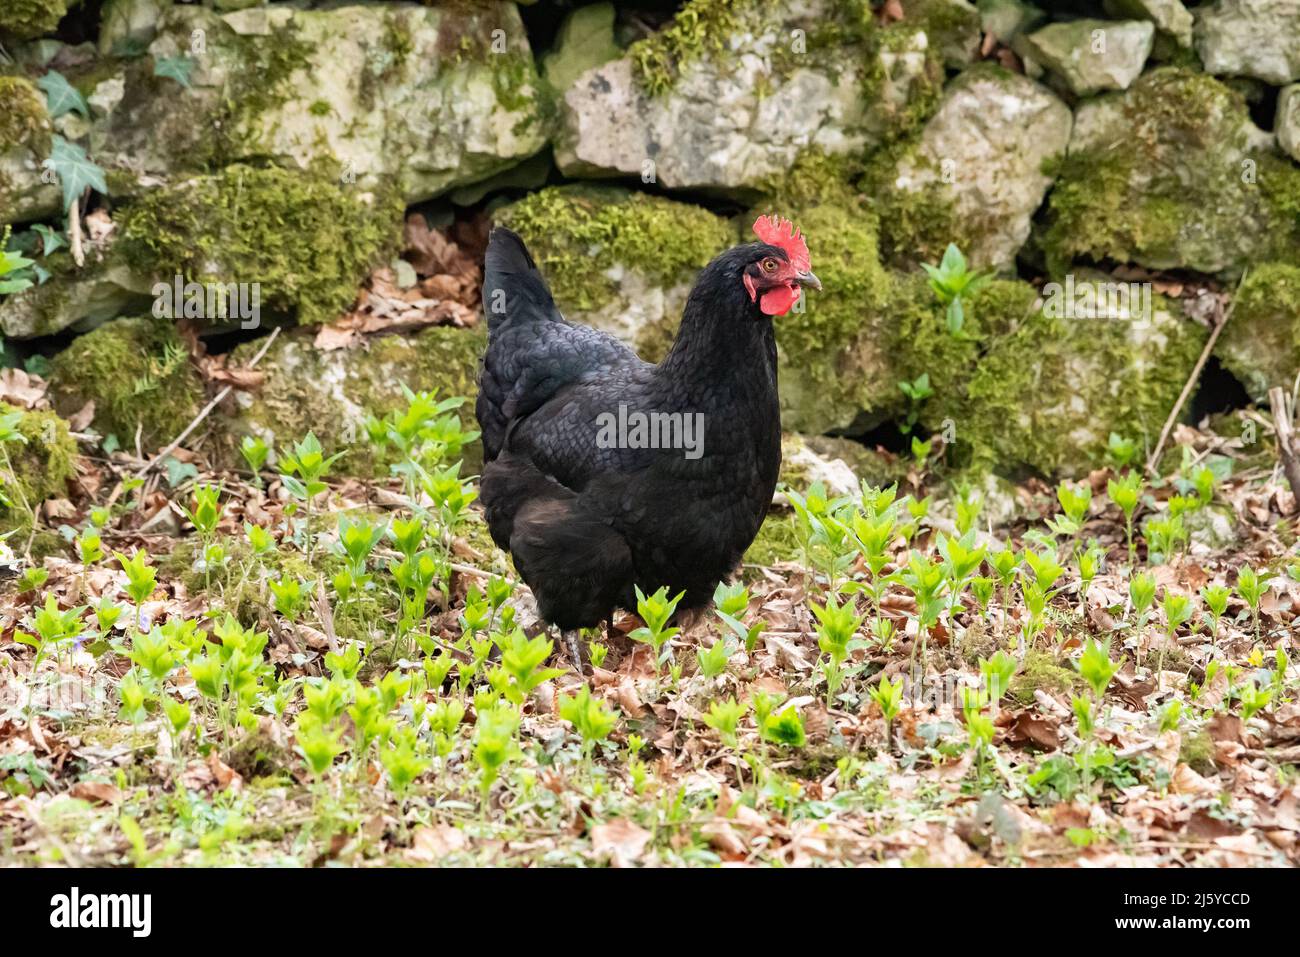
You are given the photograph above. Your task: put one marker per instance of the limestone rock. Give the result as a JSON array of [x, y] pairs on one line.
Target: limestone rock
[[1287, 124], [1261, 343], [585, 40], [1169, 16], [982, 154], [676, 114], [1257, 38], [1172, 174], [331, 393], [1093, 55], [412, 100], [127, 27], [25, 137]]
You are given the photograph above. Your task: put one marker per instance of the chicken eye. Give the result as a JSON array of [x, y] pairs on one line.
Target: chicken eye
[[769, 265]]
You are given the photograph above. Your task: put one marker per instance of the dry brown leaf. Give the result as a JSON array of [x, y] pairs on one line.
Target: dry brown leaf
[[96, 791], [22, 389], [429, 844], [619, 841]]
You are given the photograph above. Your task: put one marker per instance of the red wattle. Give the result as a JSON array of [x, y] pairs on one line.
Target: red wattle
[[777, 302]]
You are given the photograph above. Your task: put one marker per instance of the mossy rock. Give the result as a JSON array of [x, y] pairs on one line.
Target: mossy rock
[[1172, 174], [331, 393], [974, 175], [102, 288], [25, 139], [389, 97], [619, 260], [138, 373], [1261, 343], [1045, 398], [845, 351], [682, 109], [42, 462], [840, 465], [585, 40], [26, 19], [307, 239]]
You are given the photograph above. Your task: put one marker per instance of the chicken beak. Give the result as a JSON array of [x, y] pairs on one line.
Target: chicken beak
[[808, 279]]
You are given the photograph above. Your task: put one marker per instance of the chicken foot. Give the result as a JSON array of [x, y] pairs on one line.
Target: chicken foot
[[573, 648]]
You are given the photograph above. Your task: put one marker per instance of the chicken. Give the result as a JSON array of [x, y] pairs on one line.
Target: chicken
[[603, 472]]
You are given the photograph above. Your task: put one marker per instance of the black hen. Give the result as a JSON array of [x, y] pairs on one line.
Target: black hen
[[585, 513]]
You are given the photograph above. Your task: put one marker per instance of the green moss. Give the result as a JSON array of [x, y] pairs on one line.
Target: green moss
[[1197, 751], [261, 80], [1045, 398], [1041, 671], [308, 239], [26, 19], [578, 234], [703, 28], [1170, 185], [42, 464], [777, 541], [137, 372], [1261, 343], [23, 118]]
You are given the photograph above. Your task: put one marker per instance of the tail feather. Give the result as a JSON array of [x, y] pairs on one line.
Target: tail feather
[[512, 286]]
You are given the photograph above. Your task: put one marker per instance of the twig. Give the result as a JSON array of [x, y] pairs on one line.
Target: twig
[[1192, 380], [74, 232], [1287, 449], [220, 397]]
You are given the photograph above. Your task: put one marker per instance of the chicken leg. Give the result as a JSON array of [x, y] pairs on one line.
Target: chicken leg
[[573, 648]]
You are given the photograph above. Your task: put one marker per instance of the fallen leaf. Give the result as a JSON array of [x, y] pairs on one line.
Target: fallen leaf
[[619, 841], [96, 791]]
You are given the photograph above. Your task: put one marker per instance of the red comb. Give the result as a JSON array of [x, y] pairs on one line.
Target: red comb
[[781, 232]]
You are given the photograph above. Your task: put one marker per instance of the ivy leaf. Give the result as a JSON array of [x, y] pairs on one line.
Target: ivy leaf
[[177, 68], [178, 471], [61, 96], [75, 170], [50, 239]]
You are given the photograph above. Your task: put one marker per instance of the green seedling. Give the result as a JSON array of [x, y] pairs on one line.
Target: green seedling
[[1121, 451], [655, 610], [785, 728], [590, 717], [1126, 492], [1097, 669], [1251, 587], [303, 473], [90, 547], [1142, 595], [1178, 611], [712, 661], [997, 672], [255, 452], [837, 627], [402, 763], [724, 718], [917, 391], [521, 660], [888, 696], [494, 745], [291, 596], [955, 284]]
